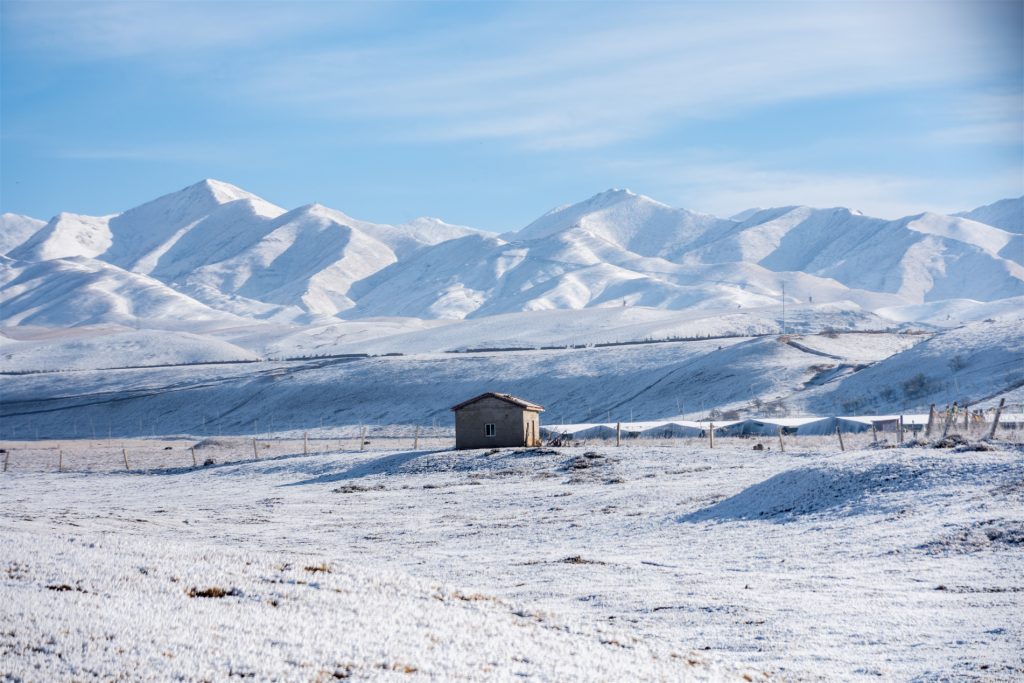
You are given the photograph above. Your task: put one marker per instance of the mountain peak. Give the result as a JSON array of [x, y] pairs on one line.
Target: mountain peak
[[617, 192], [218, 190]]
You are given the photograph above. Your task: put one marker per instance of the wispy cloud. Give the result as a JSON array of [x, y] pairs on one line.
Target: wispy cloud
[[566, 80], [986, 118], [168, 29], [724, 188], [569, 75]]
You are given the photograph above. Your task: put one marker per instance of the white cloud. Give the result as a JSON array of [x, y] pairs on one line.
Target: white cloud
[[571, 79], [985, 118], [725, 188], [542, 76], [168, 29]]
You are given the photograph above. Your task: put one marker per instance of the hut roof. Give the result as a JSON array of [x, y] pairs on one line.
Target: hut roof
[[509, 398]]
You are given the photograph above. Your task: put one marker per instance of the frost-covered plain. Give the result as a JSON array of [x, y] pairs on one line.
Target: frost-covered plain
[[578, 563]]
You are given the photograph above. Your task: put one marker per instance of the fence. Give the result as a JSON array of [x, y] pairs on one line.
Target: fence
[[107, 455]]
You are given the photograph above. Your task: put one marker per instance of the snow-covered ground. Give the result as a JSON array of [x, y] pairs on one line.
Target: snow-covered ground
[[595, 563]]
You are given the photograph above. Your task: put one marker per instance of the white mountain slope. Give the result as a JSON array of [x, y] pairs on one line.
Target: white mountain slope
[[16, 229], [82, 291], [309, 258], [1007, 214], [141, 236], [631, 221], [420, 232], [819, 255], [108, 347], [561, 328], [976, 362], [65, 235], [921, 258], [136, 239], [236, 252]]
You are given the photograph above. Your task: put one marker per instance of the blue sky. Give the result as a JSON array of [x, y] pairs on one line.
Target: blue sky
[[489, 113]]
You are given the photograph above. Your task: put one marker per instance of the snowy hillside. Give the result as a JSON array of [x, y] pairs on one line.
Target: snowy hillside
[[621, 247], [483, 276], [557, 328], [15, 229], [977, 363], [108, 346], [66, 235], [68, 292], [630, 221], [234, 277], [754, 376], [1007, 214], [307, 258], [238, 253]]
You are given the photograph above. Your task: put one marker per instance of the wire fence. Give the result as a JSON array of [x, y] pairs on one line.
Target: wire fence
[[104, 455], [185, 452]]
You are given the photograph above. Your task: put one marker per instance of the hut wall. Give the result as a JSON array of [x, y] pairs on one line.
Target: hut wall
[[510, 424]]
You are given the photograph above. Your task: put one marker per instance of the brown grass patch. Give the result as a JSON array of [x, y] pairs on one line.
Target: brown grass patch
[[212, 592]]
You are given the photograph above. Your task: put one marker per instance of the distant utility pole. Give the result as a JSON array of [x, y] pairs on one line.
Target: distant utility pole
[[783, 309]]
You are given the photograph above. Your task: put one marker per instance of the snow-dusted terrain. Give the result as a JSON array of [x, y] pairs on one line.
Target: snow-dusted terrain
[[888, 315], [822, 374], [233, 270], [235, 251], [571, 564], [211, 312]]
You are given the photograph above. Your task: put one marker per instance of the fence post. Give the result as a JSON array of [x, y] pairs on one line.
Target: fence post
[[782, 445], [305, 443], [194, 463], [618, 430], [416, 439], [362, 437], [255, 454], [839, 433], [950, 415], [60, 460], [7, 456], [931, 417], [711, 434], [899, 425], [874, 433], [991, 431], [125, 454]]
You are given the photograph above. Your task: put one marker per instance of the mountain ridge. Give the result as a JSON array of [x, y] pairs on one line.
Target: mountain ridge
[[233, 251]]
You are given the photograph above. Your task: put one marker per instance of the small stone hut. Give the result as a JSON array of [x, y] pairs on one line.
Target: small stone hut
[[495, 420]]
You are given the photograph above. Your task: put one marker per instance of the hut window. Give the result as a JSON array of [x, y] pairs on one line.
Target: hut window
[[489, 430]]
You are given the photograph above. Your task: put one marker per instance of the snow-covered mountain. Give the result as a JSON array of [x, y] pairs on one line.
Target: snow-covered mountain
[[225, 249], [15, 229], [1007, 214], [630, 221], [78, 290], [233, 250], [622, 248]]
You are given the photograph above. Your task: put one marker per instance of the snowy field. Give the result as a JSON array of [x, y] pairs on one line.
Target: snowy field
[[659, 562]]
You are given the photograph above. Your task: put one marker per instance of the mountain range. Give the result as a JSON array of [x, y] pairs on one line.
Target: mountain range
[[214, 254]]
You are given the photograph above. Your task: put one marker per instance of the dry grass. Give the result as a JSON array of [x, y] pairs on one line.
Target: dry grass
[[212, 592]]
